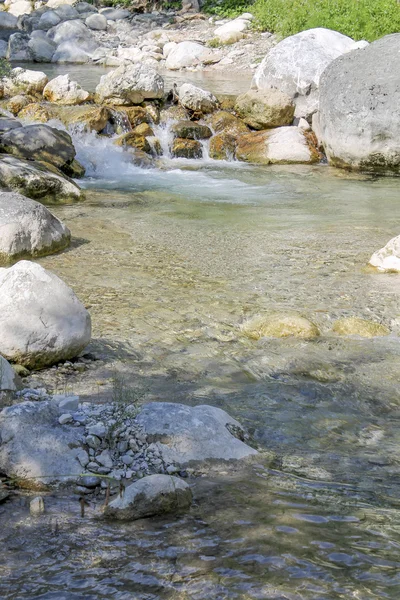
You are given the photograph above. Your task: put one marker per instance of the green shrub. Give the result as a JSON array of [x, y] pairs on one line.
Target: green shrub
[[226, 8], [359, 19]]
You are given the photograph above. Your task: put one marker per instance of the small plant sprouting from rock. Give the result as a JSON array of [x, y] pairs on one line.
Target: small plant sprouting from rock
[[126, 400]]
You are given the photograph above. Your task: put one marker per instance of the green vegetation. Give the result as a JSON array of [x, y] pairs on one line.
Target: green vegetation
[[5, 68], [359, 19]]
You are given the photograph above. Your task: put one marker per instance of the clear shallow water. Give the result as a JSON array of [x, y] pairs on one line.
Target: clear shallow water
[[171, 261]]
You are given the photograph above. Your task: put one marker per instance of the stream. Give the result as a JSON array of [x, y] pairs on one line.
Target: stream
[[171, 261]]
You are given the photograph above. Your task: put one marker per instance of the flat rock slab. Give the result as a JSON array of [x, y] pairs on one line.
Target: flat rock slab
[[186, 434]]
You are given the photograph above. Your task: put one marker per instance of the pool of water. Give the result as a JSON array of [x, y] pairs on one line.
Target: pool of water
[[171, 261]]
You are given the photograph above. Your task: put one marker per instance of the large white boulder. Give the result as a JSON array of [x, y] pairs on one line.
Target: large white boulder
[[188, 54], [62, 90], [296, 64], [358, 121], [58, 3], [130, 84], [41, 319], [196, 99], [151, 496], [32, 179], [25, 81], [28, 229], [387, 259], [187, 434], [21, 7]]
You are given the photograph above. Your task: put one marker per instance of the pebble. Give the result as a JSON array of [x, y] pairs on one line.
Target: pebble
[[99, 430], [69, 403], [65, 418], [89, 481], [93, 441], [36, 506]]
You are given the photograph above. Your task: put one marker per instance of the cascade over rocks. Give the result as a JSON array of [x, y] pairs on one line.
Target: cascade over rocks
[[295, 65], [150, 496], [358, 122], [28, 229], [130, 84], [41, 319], [36, 180]]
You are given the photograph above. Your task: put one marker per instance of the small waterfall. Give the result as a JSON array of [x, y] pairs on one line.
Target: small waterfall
[[119, 122], [164, 134]]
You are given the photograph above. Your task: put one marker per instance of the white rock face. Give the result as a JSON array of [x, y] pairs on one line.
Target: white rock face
[[387, 259], [130, 84], [57, 3], [296, 64], [21, 7], [168, 47], [41, 319], [283, 145], [35, 447], [194, 98], [187, 434], [23, 80], [233, 31], [62, 90], [150, 496], [8, 377], [188, 54], [28, 229]]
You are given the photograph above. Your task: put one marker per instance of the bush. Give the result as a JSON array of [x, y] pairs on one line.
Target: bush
[[359, 19], [226, 8]]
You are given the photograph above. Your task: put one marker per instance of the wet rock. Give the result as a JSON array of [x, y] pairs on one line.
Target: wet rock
[[36, 112], [182, 148], [151, 496], [387, 259], [129, 84], [41, 143], [224, 121], [295, 65], [263, 109], [190, 130], [41, 319], [223, 146], [134, 139], [196, 99], [359, 98], [24, 81], [35, 448], [360, 327], [173, 113], [283, 145], [28, 229], [280, 326], [191, 434], [36, 506], [37, 181], [136, 115], [62, 90], [15, 105]]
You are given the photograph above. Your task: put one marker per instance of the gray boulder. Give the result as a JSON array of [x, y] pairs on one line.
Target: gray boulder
[[66, 12], [70, 52], [41, 319], [9, 380], [48, 20], [7, 123], [3, 48], [129, 84], [42, 50], [85, 7], [35, 448], [358, 121], [151, 496], [96, 22], [295, 65], [73, 32], [18, 49], [187, 434], [34, 180], [115, 14], [8, 21], [28, 229], [39, 142]]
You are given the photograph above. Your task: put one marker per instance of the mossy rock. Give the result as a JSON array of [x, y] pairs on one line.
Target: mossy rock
[[36, 112], [143, 129], [183, 148], [224, 121], [136, 114], [190, 130], [17, 103], [222, 146], [90, 118], [133, 140], [360, 327], [173, 113], [280, 326]]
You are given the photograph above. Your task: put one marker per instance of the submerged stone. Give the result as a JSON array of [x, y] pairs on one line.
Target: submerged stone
[[280, 326], [360, 327]]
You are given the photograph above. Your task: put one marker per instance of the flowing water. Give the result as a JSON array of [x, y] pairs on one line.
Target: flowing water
[[171, 261]]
